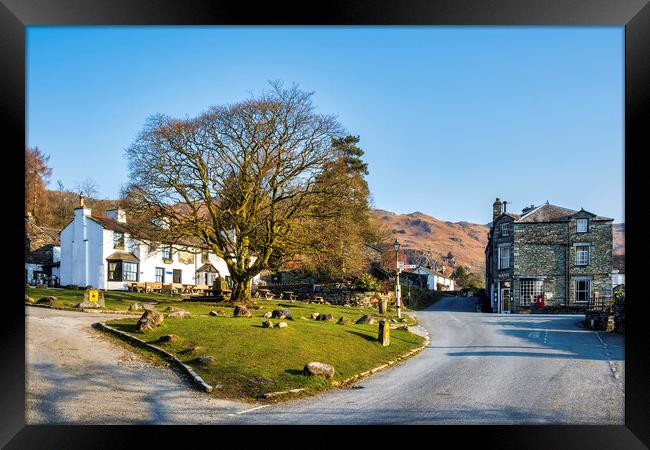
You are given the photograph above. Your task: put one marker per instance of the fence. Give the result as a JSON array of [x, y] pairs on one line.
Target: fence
[[597, 303]]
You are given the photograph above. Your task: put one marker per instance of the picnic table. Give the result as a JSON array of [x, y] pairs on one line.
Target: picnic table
[[265, 293], [288, 295], [319, 299]]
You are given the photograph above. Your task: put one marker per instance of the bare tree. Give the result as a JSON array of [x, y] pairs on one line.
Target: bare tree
[[88, 188], [238, 180]]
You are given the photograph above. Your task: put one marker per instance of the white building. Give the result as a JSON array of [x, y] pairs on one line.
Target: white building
[[435, 280], [98, 251]]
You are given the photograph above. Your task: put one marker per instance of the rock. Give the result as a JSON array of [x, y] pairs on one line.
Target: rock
[[180, 314], [171, 309], [400, 327], [281, 314], [303, 318], [315, 315], [204, 360], [282, 325], [325, 317], [318, 369], [267, 324], [28, 299], [149, 320], [168, 338], [136, 307], [50, 301], [343, 321], [268, 315], [241, 311], [366, 319], [393, 320], [213, 313]]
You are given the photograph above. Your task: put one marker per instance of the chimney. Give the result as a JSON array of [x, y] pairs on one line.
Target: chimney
[[82, 210], [117, 214], [497, 209]]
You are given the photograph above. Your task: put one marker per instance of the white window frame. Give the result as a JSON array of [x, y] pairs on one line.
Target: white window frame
[[535, 287], [575, 288], [165, 248], [505, 229], [500, 265], [583, 262], [579, 228]]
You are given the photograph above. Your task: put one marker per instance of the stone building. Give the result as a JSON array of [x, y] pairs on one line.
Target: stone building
[[42, 253], [562, 254]]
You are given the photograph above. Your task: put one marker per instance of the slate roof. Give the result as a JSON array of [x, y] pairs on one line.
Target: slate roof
[[552, 213], [47, 234], [110, 224], [207, 268], [122, 256]]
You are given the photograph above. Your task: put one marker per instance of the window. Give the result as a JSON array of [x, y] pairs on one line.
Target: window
[[122, 271], [205, 257], [582, 225], [505, 229], [528, 289], [582, 255], [166, 251], [118, 240], [177, 276], [160, 275], [129, 271], [115, 271], [583, 289], [505, 255]]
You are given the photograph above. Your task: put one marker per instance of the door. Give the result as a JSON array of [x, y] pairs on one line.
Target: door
[[177, 276], [505, 301]]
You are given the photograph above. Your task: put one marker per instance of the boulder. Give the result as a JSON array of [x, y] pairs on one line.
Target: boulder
[[315, 315], [268, 315], [303, 318], [204, 360], [325, 317], [50, 301], [28, 299], [213, 313], [343, 321], [366, 319], [168, 338], [400, 327], [149, 320], [318, 369], [136, 307], [267, 324], [241, 311], [281, 325], [180, 314], [281, 314], [171, 309]]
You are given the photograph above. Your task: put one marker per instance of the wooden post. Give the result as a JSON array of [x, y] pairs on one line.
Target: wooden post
[[384, 333]]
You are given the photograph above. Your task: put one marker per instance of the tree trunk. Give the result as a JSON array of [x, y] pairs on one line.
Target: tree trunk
[[241, 291]]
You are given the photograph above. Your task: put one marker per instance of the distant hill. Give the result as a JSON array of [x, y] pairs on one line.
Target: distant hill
[[420, 232]]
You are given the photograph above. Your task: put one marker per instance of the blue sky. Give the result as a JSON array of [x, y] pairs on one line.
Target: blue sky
[[449, 117]]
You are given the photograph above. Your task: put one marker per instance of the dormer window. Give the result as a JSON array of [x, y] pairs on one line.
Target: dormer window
[[505, 229], [582, 225], [118, 240], [205, 257]]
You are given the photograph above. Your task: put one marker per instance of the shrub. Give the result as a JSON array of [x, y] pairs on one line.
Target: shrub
[[367, 282]]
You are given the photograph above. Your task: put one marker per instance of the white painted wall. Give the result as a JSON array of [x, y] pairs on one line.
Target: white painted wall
[[433, 279], [85, 245]]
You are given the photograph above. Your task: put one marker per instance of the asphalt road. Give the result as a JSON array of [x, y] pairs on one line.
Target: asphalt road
[[479, 369]]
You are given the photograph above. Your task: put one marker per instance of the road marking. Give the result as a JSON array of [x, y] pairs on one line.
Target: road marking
[[252, 409], [533, 334], [612, 368], [545, 335]]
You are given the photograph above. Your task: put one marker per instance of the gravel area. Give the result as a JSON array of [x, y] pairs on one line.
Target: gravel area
[[75, 374]]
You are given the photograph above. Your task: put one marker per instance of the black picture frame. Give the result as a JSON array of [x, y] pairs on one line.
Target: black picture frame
[[15, 15]]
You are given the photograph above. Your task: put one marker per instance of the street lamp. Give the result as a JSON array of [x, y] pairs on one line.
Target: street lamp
[[398, 290]]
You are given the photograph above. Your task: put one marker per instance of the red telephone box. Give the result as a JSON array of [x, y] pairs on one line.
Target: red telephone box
[[540, 301]]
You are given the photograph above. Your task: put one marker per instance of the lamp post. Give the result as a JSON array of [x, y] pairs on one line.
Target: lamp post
[[398, 290]]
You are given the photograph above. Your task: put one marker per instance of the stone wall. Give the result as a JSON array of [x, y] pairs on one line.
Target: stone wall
[[356, 298]]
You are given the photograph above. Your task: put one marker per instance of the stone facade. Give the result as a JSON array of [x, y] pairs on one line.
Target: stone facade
[[543, 257]]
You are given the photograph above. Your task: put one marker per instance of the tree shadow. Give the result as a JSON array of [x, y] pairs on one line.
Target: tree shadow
[[294, 371]]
